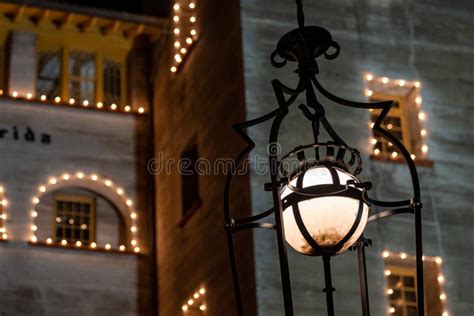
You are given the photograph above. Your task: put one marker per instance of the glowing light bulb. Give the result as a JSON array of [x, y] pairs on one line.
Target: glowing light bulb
[[440, 279], [193, 32], [388, 272], [192, 5], [413, 157], [64, 242], [29, 95], [141, 110], [57, 99], [192, 19], [422, 116], [445, 314], [4, 203], [438, 260], [78, 243], [93, 245], [183, 50], [177, 44], [418, 100], [100, 105], [196, 295], [94, 177], [190, 302], [401, 83], [3, 216], [423, 132], [391, 310], [202, 291], [42, 188], [133, 215], [127, 108], [65, 176], [369, 77], [129, 202], [189, 40], [394, 154], [136, 249], [403, 256], [202, 307], [113, 106], [178, 58], [442, 296], [34, 228], [417, 84], [133, 242], [133, 229], [389, 291], [34, 214], [85, 103], [34, 238], [4, 236], [35, 200], [72, 101], [80, 175], [368, 92], [14, 94], [184, 308], [176, 18], [424, 148], [384, 80], [122, 248], [385, 254], [176, 30], [49, 241], [43, 97], [373, 141], [119, 191], [108, 246], [173, 69], [176, 7], [376, 151], [108, 183], [53, 181]]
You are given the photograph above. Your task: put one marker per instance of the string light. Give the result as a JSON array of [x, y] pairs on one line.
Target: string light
[[180, 18], [51, 185], [3, 216]]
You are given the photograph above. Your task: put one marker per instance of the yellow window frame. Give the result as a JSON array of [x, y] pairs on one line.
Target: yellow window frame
[[76, 198]]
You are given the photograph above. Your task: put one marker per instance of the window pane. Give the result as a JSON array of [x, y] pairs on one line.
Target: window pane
[[112, 82], [81, 76], [49, 74], [72, 222]]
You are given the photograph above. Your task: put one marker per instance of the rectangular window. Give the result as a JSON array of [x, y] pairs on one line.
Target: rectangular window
[[81, 76], [400, 273], [404, 121], [48, 79], [112, 82], [74, 218], [190, 199]]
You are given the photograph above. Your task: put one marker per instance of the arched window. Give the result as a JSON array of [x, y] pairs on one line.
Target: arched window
[[79, 210]]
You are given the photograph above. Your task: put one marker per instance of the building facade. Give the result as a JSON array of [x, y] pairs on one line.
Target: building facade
[[74, 124]]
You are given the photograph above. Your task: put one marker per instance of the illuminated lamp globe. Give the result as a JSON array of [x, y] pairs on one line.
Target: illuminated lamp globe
[[329, 211]]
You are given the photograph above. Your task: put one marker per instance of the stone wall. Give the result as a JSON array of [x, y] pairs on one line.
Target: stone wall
[[199, 104], [429, 41], [40, 280]]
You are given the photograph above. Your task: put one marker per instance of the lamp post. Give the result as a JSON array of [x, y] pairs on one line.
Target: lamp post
[[320, 207]]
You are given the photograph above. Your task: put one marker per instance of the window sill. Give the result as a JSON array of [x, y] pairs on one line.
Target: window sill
[[82, 248], [189, 213], [418, 162]]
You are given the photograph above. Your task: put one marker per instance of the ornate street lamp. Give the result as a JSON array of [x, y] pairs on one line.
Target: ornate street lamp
[[320, 207]]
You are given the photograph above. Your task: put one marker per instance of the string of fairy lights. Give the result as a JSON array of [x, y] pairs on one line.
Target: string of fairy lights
[[440, 278], [184, 30], [416, 85], [196, 302], [55, 182], [72, 102], [3, 214]]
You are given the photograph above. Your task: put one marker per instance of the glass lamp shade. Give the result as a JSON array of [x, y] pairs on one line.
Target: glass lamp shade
[[327, 218]]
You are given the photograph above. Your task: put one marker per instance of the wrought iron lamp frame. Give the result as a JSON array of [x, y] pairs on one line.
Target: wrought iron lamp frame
[[303, 45]]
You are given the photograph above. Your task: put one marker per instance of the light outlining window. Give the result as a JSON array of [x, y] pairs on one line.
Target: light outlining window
[[88, 181], [184, 30], [406, 120], [3, 214], [195, 303], [400, 278]]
